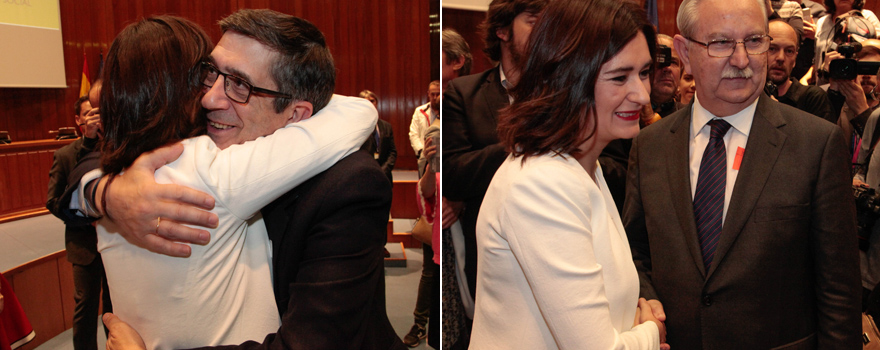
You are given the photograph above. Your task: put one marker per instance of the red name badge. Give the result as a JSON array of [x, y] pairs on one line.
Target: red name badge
[[739, 158]]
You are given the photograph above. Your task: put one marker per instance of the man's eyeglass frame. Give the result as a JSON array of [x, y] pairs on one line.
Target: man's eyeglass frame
[[735, 43], [206, 67]]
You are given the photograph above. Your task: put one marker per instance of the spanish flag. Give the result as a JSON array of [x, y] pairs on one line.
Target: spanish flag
[[86, 83]]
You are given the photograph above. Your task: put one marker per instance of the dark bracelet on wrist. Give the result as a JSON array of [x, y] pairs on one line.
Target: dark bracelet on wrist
[[92, 190], [104, 196]]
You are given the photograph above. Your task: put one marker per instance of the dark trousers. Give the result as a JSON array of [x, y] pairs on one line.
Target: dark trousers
[[88, 280], [434, 318], [426, 286]]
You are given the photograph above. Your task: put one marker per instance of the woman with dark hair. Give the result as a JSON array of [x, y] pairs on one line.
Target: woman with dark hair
[[153, 78], [555, 269]]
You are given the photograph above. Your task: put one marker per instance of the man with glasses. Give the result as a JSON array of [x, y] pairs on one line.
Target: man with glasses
[[327, 234], [739, 209], [783, 54]]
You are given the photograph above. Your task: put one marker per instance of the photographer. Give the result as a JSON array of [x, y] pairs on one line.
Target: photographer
[[664, 83], [859, 116], [828, 30], [854, 100]]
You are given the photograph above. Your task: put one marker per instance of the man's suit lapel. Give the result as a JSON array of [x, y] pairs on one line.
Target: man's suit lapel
[[495, 96], [678, 173], [277, 216], [763, 147]]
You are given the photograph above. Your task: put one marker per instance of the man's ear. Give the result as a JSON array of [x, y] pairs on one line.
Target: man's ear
[[503, 33], [298, 111], [457, 64], [680, 44]]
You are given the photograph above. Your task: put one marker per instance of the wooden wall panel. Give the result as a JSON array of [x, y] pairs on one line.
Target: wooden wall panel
[[467, 23], [39, 291], [44, 287], [404, 199], [68, 292], [24, 174], [381, 45]]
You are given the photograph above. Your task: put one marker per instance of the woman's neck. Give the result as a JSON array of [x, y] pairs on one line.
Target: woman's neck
[[591, 149]]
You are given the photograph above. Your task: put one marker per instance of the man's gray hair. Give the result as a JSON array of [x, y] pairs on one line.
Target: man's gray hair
[[455, 47], [687, 16]]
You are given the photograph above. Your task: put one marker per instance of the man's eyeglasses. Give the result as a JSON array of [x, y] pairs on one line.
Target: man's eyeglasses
[[754, 45], [237, 89]]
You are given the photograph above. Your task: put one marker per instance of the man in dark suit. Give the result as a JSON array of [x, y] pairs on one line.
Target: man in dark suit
[[739, 209], [81, 241], [327, 234], [381, 144], [471, 151]]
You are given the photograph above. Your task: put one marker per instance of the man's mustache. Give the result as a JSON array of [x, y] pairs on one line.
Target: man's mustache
[[733, 73]]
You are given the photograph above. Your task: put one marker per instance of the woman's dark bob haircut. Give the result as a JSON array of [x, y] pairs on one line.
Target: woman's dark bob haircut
[[554, 100], [152, 85]]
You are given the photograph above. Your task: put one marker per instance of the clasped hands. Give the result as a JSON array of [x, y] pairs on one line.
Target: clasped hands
[[652, 311]]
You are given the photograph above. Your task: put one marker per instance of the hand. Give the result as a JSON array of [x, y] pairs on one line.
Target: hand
[[135, 202], [451, 209], [657, 309], [809, 30], [428, 183], [122, 336], [854, 94], [92, 121], [829, 56], [430, 149], [647, 313], [860, 183]]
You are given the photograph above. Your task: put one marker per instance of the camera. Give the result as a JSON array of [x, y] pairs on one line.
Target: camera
[[771, 89], [848, 68], [849, 29], [867, 212], [664, 56]]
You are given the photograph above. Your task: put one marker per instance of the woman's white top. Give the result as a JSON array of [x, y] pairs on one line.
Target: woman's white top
[[555, 268], [222, 294]]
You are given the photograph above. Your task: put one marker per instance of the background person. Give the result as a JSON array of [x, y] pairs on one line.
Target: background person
[[471, 151], [853, 100], [825, 32], [381, 143], [423, 117], [782, 55], [81, 240], [686, 88], [429, 206]]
